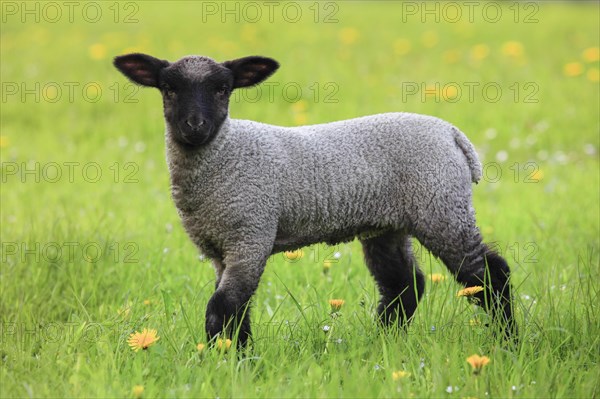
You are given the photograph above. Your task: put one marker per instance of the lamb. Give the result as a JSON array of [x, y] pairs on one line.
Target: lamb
[[246, 190]]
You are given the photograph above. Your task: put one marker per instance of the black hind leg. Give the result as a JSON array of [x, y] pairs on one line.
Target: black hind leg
[[492, 273], [474, 264], [390, 260]]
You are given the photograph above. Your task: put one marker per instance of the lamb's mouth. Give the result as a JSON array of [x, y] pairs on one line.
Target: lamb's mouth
[[195, 139]]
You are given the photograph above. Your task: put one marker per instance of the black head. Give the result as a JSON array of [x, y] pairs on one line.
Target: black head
[[195, 89]]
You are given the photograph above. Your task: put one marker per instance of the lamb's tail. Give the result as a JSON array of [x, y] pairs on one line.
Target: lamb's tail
[[467, 148]]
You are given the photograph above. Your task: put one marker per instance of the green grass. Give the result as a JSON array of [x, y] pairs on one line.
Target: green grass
[[88, 260]]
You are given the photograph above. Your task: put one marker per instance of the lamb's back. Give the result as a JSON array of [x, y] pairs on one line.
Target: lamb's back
[[360, 174]]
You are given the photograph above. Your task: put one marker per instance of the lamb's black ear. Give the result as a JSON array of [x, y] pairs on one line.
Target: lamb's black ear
[[249, 71], [140, 68]]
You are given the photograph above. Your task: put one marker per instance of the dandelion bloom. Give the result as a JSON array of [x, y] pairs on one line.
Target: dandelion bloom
[[398, 375], [147, 302], [537, 176], [573, 69], [336, 304], [437, 277], [327, 265], [512, 49], [3, 141], [591, 54], [294, 255], [142, 340], [97, 51], [450, 93], [593, 75], [300, 106], [402, 46], [480, 51], [300, 119], [451, 56], [224, 343], [478, 362], [200, 347], [469, 291], [137, 391], [348, 35]]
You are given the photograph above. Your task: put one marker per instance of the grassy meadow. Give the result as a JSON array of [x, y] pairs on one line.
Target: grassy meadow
[[92, 249]]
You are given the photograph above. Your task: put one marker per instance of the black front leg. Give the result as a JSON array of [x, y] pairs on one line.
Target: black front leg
[[228, 310], [225, 316]]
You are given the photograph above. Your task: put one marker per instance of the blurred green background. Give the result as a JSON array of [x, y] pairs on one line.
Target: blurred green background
[[92, 248]]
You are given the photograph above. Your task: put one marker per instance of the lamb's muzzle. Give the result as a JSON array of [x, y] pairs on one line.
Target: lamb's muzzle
[[246, 190]]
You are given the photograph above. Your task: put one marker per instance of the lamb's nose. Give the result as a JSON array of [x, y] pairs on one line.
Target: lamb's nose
[[195, 123]]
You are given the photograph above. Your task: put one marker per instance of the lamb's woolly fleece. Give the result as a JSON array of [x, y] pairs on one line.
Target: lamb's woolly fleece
[[260, 189]]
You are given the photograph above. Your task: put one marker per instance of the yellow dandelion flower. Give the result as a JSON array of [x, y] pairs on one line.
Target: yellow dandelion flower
[[336, 304], [142, 340], [512, 49], [327, 263], [478, 362], [480, 51], [469, 291], [97, 51], [299, 106], [50, 93], [294, 255], [147, 302], [437, 277], [348, 35], [300, 119], [591, 54], [400, 374], [4, 141], [224, 344], [573, 69], [593, 75], [536, 176], [451, 56], [137, 391], [402, 46], [429, 39], [449, 92], [200, 347]]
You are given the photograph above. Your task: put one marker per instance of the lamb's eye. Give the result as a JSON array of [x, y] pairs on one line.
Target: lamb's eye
[[169, 93], [222, 90]]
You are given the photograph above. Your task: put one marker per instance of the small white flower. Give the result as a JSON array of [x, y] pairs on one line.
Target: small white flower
[[337, 255], [589, 149], [139, 146], [561, 157], [501, 156], [490, 133], [514, 143], [326, 328]]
